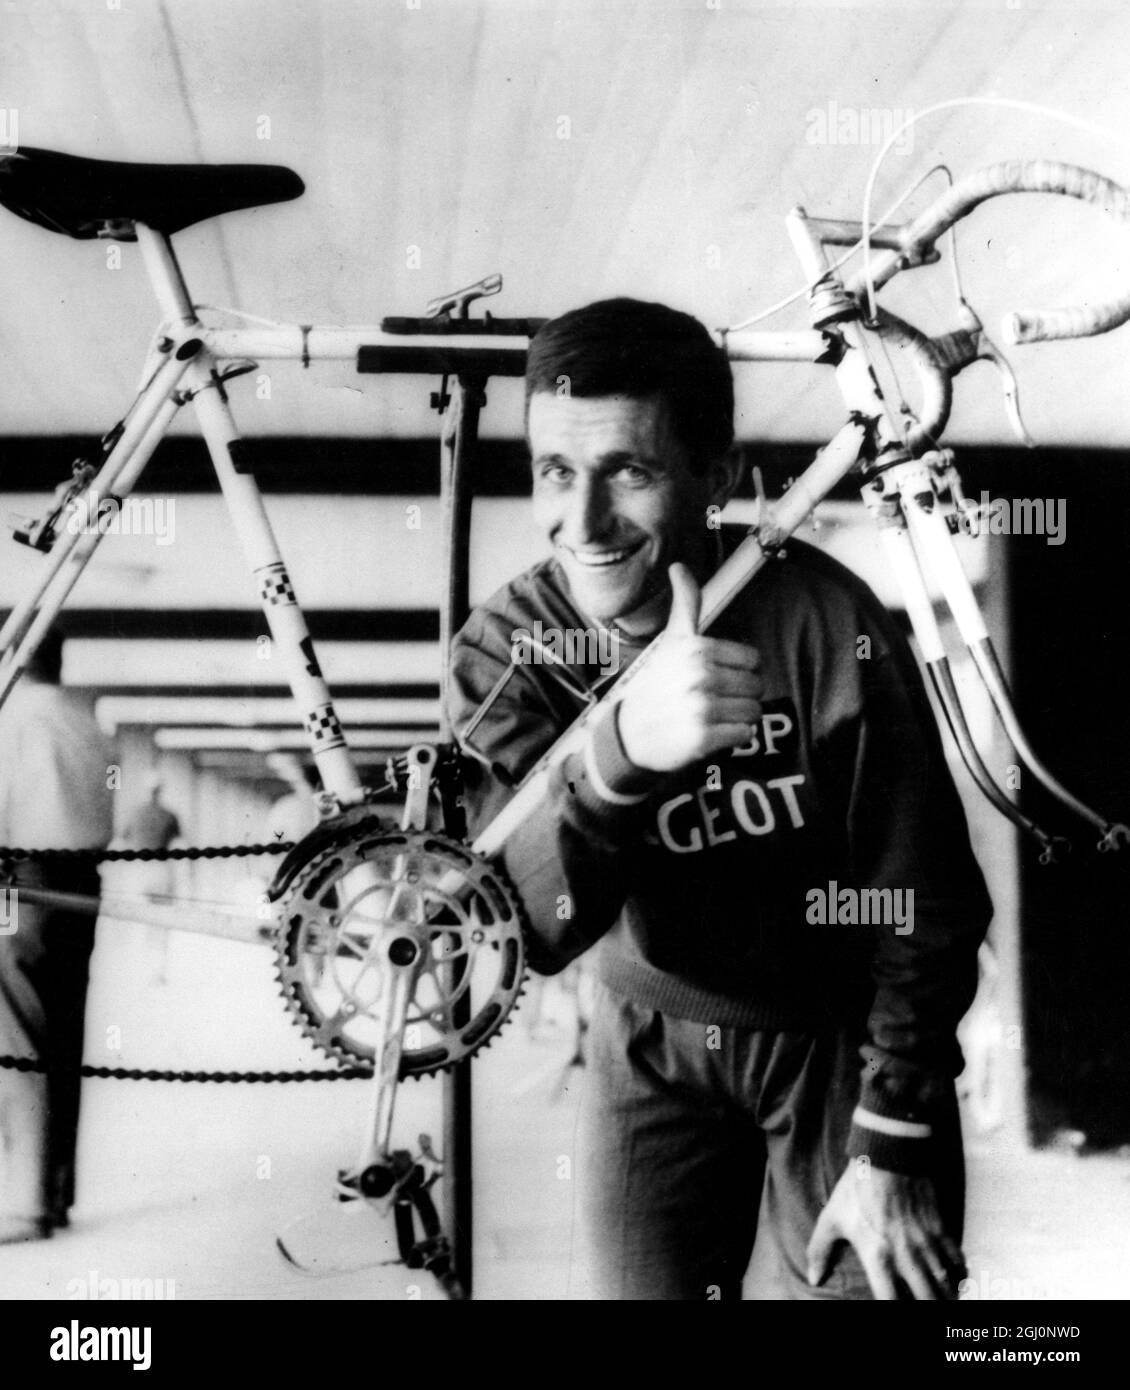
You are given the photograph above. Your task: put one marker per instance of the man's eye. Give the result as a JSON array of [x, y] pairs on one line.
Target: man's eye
[[633, 473], [556, 472]]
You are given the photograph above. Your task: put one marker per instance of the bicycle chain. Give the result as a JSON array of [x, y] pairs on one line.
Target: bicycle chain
[[106, 856], [8, 1063], [100, 856]]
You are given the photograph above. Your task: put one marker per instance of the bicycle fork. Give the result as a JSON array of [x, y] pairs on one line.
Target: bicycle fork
[[917, 537]]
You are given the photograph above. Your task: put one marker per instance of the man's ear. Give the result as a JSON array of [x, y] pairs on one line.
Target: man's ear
[[724, 475]]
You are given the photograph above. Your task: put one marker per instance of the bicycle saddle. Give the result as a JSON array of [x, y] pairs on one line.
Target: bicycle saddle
[[86, 198]]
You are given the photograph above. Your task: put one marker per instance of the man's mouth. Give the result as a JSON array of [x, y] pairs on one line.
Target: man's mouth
[[604, 559]]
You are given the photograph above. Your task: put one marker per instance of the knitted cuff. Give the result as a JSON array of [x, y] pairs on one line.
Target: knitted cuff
[[608, 785], [888, 1134]]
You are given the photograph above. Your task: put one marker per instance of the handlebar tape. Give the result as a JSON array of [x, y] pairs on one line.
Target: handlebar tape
[[1022, 176]]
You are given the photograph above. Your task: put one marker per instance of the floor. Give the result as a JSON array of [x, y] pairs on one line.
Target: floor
[[187, 1186]]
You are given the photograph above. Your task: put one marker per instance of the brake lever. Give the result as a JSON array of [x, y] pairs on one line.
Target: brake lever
[[970, 343]]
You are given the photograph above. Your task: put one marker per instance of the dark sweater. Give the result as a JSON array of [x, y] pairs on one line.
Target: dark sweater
[[719, 893]]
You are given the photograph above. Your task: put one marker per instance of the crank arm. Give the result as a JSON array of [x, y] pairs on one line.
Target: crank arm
[[403, 956]]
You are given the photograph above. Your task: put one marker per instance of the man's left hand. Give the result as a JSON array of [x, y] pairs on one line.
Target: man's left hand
[[893, 1222]]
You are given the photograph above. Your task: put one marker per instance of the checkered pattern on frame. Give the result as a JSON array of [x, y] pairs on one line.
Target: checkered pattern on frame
[[274, 588], [324, 728]]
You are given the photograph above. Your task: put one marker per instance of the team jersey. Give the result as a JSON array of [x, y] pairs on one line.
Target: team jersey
[[819, 875]]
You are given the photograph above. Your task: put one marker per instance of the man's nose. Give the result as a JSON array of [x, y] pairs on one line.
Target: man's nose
[[589, 517]]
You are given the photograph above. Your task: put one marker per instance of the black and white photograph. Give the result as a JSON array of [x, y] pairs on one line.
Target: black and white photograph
[[563, 685]]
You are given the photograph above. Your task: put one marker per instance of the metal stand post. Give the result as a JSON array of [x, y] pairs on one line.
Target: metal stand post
[[460, 432]]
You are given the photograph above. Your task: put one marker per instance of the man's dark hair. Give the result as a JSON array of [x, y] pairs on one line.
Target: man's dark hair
[[626, 347]]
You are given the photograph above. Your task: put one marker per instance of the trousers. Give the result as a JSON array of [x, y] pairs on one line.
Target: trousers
[[44, 970], [695, 1143]]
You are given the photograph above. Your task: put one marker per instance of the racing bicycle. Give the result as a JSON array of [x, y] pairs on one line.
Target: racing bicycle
[[399, 944]]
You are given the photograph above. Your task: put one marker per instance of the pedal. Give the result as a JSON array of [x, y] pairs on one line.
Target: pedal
[[339, 1238], [368, 1224]]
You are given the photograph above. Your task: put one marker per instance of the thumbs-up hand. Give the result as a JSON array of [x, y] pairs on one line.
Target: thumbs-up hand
[[686, 602], [696, 695]]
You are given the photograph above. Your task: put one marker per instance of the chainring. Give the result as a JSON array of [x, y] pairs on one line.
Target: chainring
[[345, 907]]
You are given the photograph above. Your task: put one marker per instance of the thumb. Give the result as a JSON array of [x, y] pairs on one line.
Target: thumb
[[824, 1237], [686, 599]]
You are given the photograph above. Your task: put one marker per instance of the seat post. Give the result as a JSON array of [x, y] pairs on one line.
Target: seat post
[[165, 274], [249, 516]]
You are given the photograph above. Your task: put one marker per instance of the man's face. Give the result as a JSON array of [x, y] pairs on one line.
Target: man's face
[[615, 496]]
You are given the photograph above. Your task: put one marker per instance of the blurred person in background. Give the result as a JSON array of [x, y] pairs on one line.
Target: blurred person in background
[[54, 794], [151, 825]]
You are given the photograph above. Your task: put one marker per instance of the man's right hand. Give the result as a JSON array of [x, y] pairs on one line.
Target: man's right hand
[[696, 695]]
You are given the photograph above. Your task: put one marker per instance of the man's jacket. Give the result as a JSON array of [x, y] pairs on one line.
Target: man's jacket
[[819, 876]]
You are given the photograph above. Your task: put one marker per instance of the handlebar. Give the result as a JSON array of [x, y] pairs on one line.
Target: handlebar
[[1013, 176]]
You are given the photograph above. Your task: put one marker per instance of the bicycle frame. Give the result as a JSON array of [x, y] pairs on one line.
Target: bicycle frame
[[904, 476]]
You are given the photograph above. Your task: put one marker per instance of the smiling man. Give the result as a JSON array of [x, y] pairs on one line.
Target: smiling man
[[725, 1098], [614, 493]]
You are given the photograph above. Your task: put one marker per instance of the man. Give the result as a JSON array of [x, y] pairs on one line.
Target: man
[[745, 776], [54, 794], [151, 825]]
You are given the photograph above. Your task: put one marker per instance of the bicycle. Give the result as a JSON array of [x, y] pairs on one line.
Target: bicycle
[[402, 946]]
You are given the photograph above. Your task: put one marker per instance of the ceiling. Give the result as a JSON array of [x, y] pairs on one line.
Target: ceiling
[[583, 150]]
